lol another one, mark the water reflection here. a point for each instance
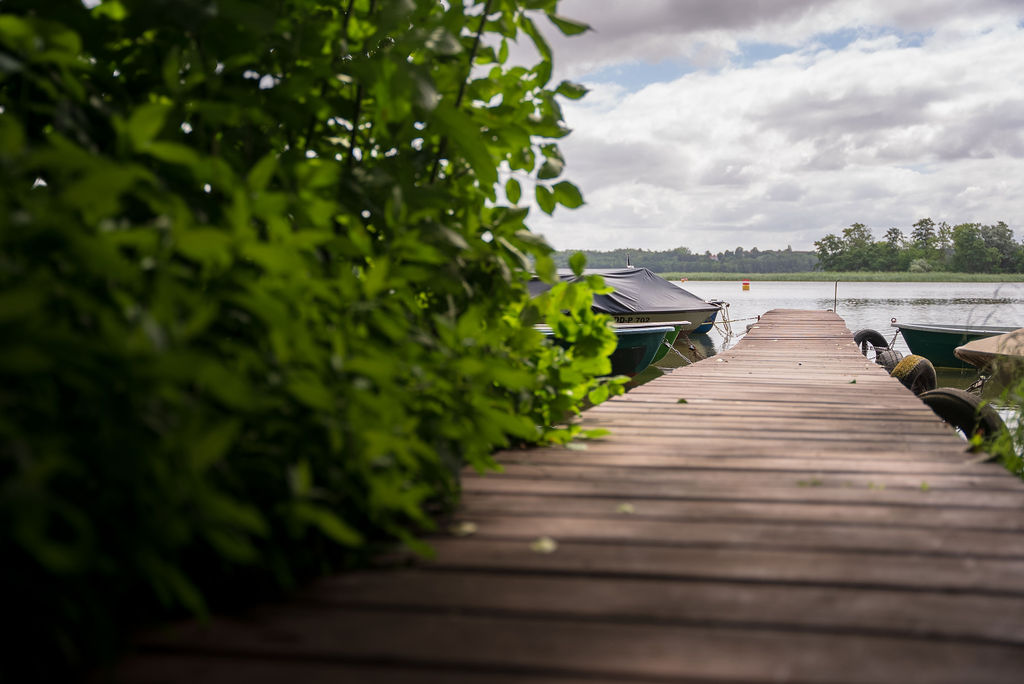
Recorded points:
(969, 301)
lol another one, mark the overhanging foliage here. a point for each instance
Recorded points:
(259, 299)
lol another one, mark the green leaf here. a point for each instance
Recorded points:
(205, 245)
(273, 258)
(300, 477)
(545, 199)
(327, 523)
(568, 195)
(308, 389)
(545, 268)
(573, 91)
(544, 544)
(598, 394)
(213, 444)
(568, 26)
(145, 123)
(171, 70)
(577, 262)
(173, 153)
(551, 168)
(513, 190)
(12, 137)
(261, 172)
(538, 40)
(227, 385)
(465, 135)
(112, 9)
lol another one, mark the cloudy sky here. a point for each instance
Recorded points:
(713, 124)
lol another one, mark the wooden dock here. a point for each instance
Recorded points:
(801, 517)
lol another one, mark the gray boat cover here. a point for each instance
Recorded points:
(637, 290)
(988, 350)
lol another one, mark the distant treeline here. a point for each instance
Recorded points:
(964, 248)
(682, 260)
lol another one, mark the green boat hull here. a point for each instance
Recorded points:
(637, 348)
(670, 338)
(937, 344)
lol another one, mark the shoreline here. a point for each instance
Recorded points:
(854, 277)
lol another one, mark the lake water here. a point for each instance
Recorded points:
(861, 305)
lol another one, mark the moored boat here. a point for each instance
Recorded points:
(999, 354)
(709, 322)
(938, 342)
(639, 300)
(638, 345)
(641, 296)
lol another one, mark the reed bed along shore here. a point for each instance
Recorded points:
(857, 276)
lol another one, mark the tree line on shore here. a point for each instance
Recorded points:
(963, 248)
(682, 260)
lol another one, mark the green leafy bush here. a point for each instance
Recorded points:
(259, 298)
(1008, 445)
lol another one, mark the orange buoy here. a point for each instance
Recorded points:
(746, 285)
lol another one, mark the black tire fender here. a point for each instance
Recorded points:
(964, 411)
(888, 358)
(916, 373)
(868, 336)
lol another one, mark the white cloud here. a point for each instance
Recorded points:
(876, 129)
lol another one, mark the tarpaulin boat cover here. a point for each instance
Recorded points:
(637, 290)
(986, 351)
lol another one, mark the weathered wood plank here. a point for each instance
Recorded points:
(752, 482)
(905, 572)
(839, 609)
(1008, 500)
(557, 646)
(821, 536)
(637, 458)
(218, 668)
(927, 514)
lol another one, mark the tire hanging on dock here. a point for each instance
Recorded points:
(868, 336)
(916, 373)
(884, 356)
(964, 411)
(888, 358)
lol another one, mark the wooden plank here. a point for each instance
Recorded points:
(551, 646)
(255, 668)
(905, 572)
(919, 614)
(1008, 500)
(926, 514)
(752, 482)
(748, 534)
(821, 456)
(681, 459)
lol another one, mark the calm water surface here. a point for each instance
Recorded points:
(862, 305)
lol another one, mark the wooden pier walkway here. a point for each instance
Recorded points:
(802, 517)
